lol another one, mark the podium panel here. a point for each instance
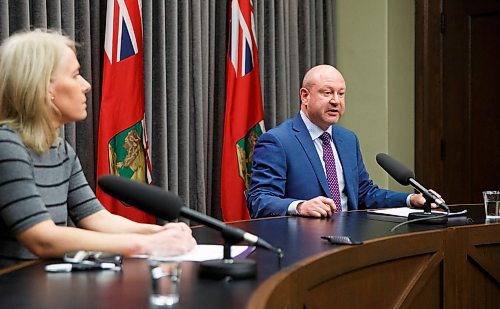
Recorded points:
(400, 271)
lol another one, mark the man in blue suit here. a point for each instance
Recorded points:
(289, 174)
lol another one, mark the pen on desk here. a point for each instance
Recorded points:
(68, 267)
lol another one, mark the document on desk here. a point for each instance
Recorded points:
(209, 252)
(405, 211)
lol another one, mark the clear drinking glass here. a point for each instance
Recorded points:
(165, 283)
(492, 204)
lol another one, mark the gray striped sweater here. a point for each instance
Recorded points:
(35, 188)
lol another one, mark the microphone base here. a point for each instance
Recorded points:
(235, 269)
(432, 218)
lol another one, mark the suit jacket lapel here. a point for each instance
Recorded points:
(304, 138)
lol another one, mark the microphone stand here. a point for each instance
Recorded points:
(426, 217)
(228, 267)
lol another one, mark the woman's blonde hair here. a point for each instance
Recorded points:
(27, 62)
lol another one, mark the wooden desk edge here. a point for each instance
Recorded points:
(18, 266)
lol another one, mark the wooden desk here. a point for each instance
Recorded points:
(418, 264)
(458, 267)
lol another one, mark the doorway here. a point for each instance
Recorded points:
(457, 91)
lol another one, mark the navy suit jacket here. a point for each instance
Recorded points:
(286, 167)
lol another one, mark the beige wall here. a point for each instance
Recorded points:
(375, 52)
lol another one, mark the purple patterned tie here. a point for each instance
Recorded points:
(331, 171)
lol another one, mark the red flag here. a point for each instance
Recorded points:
(243, 122)
(122, 144)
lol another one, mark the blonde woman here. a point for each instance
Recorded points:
(41, 180)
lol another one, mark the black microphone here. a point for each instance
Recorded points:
(169, 206)
(405, 177)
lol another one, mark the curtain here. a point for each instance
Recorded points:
(184, 76)
(82, 21)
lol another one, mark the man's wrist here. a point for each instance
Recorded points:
(298, 208)
(408, 200)
(293, 208)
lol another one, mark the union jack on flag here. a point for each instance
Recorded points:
(120, 29)
(241, 39)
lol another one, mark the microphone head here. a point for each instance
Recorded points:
(148, 198)
(398, 171)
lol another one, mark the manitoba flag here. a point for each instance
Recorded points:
(122, 145)
(243, 122)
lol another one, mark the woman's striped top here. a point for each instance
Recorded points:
(35, 188)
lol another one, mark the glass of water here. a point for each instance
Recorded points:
(165, 283)
(492, 204)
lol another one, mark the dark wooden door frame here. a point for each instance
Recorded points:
(456, 137)
(428, 92)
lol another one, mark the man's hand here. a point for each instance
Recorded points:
(418, 200)
(320, 207)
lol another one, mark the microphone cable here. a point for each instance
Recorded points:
(420, 219)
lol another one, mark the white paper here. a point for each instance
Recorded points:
(405, 211)
(207, 252)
